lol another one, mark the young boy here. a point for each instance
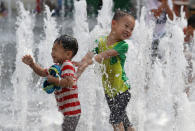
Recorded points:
(111, 52)
(64, 49)
(158, 10)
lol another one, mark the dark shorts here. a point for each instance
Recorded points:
(155, 51)
(70, 123)
(155, 48)
(117, 107)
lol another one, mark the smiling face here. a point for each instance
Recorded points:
(59, 54)
(122, 29)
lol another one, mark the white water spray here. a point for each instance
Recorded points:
(94, 115)
(51, 33)
(21, 78)
(163, 106)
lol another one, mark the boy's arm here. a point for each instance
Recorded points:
(167, 9)
(88, 59)
(28, 60)
(83, 64)
(164, 6)
(68, 79)
(39, 70)
(105, 55)
(120, 49)
(63, 82)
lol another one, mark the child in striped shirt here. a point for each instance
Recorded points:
(64, 49)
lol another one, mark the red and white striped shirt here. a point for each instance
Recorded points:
(67, 98)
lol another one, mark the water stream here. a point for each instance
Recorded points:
(158, 103)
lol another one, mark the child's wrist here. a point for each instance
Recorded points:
(93, 59)
(59, 80)
(46, 72)
(101, 56)
(32, 64)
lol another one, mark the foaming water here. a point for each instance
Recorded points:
(51, 33)
(158, 102)
(94, 109)
(137, 66)
(163, 105)
(30, 104)
(81, 28)
(20, 82)
(86, 91)
(50, 117)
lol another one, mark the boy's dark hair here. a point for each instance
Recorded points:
(191, 21)
(68, 43)
(119, 14)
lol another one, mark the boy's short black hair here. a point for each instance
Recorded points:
(119, 14)
(68, 43)
(191, 21)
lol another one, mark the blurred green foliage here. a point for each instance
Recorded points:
(94, 5)
(123, 5)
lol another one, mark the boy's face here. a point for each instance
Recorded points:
(123, 27)
(59, 54)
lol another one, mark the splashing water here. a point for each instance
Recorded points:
(51, 118)
(78, 29)
(51, 33)
(27, 110)
(93, 109)
(24, 46)
(162, 106)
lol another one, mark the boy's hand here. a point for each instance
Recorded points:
(77, 64)
(69, 81)
(82, 64)
(87, 60)
(27, 59)
(164, 4)
(157, 12)
(51, 79)
(81, 68)
(64, 82)
(98, 58)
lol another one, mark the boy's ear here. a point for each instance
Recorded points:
(69, 53)
(113, 22)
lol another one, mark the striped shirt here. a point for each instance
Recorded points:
(67, 98)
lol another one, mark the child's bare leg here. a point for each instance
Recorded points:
(118, 127)
(187, 90)
(130, 128)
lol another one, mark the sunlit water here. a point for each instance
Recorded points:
(162, 106)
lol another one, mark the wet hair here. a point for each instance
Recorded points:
(120, 14)
(191, 21)
(68, 43)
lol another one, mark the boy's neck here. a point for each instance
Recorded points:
(111, 39)
(191, 27)
(63, 61)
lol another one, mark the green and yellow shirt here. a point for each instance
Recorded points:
(114, 78)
